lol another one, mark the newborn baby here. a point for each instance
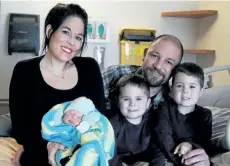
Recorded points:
(82, 116)
(75, 123)
(73, 117)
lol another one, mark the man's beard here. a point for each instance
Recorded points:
(154, 76)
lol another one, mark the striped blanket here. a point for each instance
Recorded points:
(96, 144)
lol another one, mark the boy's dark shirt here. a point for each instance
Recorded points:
(174, 128)
(134, 142)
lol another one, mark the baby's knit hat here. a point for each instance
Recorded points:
(81, 104)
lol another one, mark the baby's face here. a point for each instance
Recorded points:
(73, 117)
(186, 90)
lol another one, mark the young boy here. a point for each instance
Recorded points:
(132, 127)
(183, 125)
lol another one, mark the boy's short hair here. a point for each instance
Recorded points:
(135, 80)
(190, 69)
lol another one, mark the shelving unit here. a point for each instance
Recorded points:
(193, 14)
(199, 52)
(190, 14)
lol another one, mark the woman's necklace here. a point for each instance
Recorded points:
(62, 76)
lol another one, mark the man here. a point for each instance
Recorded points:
(163, 55)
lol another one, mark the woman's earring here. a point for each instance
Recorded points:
(49, 33)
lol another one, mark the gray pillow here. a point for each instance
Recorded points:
(5, 125)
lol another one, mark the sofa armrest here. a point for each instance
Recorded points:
(5, 125)
(220, 127)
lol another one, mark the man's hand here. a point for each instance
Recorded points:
(197, 157)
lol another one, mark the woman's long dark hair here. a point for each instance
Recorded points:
(58, 14)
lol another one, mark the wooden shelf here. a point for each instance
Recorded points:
(190, 14)
(199, 52)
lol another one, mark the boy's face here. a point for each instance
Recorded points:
(186, 90)
(133, 101)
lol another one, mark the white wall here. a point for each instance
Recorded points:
(213, 33)
(119, 14)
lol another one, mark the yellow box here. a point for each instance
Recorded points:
(132, 53)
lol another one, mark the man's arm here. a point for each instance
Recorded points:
(113, 72)
(107, 76)
(110, 77)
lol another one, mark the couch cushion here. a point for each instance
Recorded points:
(4, 107)
(220, 127)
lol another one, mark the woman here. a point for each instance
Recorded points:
(58, 76)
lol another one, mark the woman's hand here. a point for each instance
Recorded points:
(18, 154)
(52, 148)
